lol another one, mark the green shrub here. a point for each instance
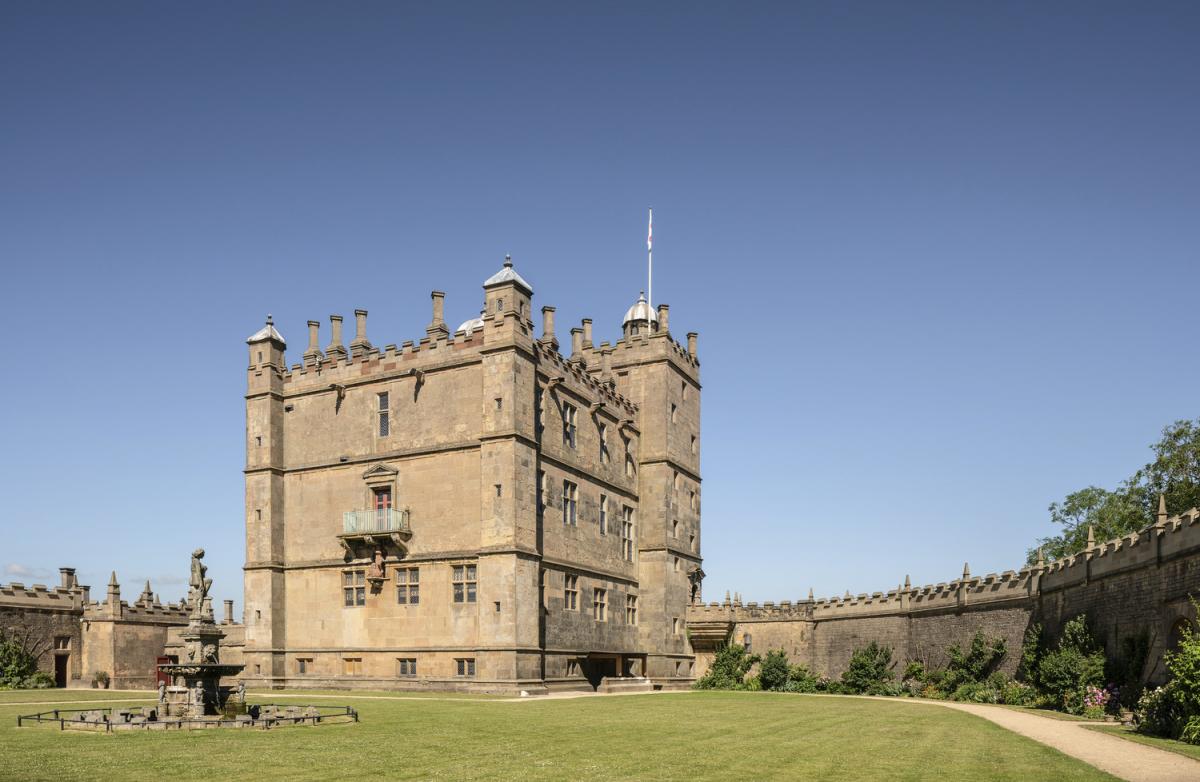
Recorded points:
(17, 663)
(1159, 713)
(1065, 673)
(800, 679)
(869, 670)
(1191, 731)
(100, 679)
(1125, 670)
(973, 665)
(1018, 694)
(1032, 649)
(773, 672)
(40, 680)
(728, 670)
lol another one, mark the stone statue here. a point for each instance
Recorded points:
(198, 584)
(241, 692)
(162, 692)
(209, 654)
(198, 694)
(376, 570)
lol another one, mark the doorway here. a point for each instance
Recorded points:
(596, 668)
(60, 669)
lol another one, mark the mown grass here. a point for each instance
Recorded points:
(1170, 745)
(675, 736)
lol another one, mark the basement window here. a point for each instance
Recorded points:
(464, 666)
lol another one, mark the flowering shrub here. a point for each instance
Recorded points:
(1095, 702)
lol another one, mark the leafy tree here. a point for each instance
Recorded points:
(773, 673)
(1174, 474)
(869, 670)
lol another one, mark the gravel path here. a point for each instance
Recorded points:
(1125, 759)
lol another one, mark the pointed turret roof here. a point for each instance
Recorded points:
(267, 332)
(508, 274)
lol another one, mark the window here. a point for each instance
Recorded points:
(537, 411)
(674, 412)
(675, 480)
(499, 305)
(627, 533)
(62, 642)
(304, 665)
(676, 564)
(570, 499)
(406, 666)
(604, 457)
(675, 625)
(354, 588)
(571, 593)
(381, 498)
(675, 529)
(464, 666)
(408, 586)
(384, 422)
(600, 605)
(464, 583)
(693, 443)
(692, 499)
(569, 416)
(683, 389)
(630, 609)
(541, 493)
(572, 668)
(603, 514)
(352, 666)
(692, 541)
(678, 668)
(628, 464)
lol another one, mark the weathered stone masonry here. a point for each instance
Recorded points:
(1137, 584)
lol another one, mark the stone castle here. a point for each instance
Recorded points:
(474, 510)
(477, 511)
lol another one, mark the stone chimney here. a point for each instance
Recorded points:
(587, 333)
(663, 312)
(313, 354)
(66, 577)
(360, 345)
(336, 349)
(548, 337)
(228, 612)
(691, 338)
(605, 362)
(437, 326)
(577, 344)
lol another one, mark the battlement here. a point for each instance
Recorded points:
(1166, 539)
(154, 612)
(578, 372)
(41, 597)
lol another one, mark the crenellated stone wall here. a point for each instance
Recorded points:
(1138, 585)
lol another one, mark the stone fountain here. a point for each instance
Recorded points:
(195, 691)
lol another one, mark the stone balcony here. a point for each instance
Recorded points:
(364, 531)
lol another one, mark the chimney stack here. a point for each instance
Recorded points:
(663, 311)
(313, 354)
(577, 343)
(691, 338)
(228, 612)
(66, 577)
(336, 349)
(360, 344)
(437, 326)
(605, 362)
(548, 337)
(587, 333)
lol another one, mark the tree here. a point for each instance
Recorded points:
(1174, 474)
(869, 669)
(728, 670)
(18, 656)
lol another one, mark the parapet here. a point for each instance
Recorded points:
(42, 598)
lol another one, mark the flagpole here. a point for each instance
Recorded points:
(650, 262)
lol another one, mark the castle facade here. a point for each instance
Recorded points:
(474, 510)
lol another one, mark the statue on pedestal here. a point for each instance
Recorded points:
(198, 585)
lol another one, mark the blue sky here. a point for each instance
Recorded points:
(942, 256)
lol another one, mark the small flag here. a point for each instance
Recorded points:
(650, 233)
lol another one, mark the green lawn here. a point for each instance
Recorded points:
(1170, 745)
(684, 736)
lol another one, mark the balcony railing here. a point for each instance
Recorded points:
(382, 520)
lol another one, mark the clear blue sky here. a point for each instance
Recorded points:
(942, 256)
